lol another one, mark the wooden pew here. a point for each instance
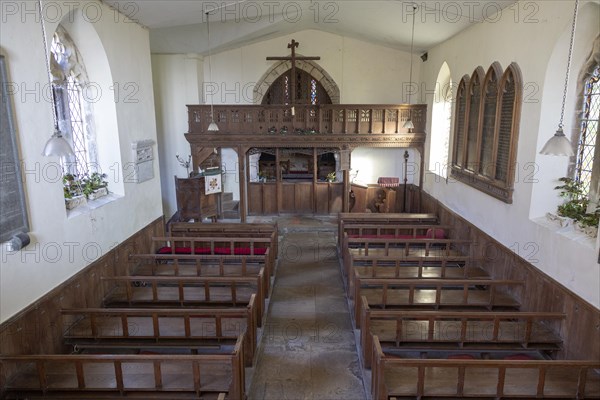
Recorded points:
(413, 266)
(434, 294)
(106, 328)
(383, 219)
(234, 230)
(199, 265)
(174, 291)
(422, 330)
(147, 376)
(236, 246)
(397, 378)
(400, 231)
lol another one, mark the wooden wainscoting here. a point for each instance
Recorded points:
(581, 328)
(37, 329)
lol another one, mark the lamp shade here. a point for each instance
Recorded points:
(409, 124)
(57, 146)
(558, 145)
(213, 127)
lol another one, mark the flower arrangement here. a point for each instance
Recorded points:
(330, 177)
(576, 204)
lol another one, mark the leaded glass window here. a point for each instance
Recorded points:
(589, 130)
(73, 110)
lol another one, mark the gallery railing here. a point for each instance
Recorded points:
(348, 119)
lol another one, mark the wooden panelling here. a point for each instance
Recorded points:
(269, 199)
(255, 199)
(581, 328)
(288, 197)
(322, 198)
(38, 328)
(304, 197)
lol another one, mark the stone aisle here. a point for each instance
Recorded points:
(308, 348)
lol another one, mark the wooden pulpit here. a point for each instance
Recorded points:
(192, 202)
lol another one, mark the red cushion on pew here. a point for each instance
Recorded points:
(435, 233)
(461, 357)
(240, 251)
(519, 357)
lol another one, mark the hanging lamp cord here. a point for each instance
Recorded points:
(47, 63)
(564, 100)
(212, 117)
(412, 42)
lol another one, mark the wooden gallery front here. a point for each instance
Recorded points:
(297, 159)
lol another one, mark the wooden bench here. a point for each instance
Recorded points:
(446, 264)
(199, 265)
(383, 219)
(398, 378)
(163, 328)
(126, 375)
(422, 330)
(234, 230)
(215, 246)
(174, 291)
(401, 231)
(434, 294)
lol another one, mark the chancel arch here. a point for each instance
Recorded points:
(309, 67)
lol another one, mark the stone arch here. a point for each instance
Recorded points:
(278, 69)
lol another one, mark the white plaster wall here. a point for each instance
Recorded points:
(371, 163)
(177, 82)
(63, 246)
(348, 61)
(568, 258)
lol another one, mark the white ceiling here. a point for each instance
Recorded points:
(179, 26)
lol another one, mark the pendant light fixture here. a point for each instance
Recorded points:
(559, 144)
(213, 127)
(56, 145)
(409, 124)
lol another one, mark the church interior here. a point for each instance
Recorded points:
(300, 199)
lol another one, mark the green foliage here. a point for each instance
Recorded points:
(576, 203)
(331, 177)
(74, 186)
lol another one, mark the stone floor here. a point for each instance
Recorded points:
(308, 348)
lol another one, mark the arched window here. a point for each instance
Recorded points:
(74, 112)
(589, 130)
(308, 90)
(441, 120)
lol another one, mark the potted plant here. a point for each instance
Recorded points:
(330, 177)
(73, 191)
(576, 206)
(95, 186)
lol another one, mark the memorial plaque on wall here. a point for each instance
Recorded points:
(13, 209)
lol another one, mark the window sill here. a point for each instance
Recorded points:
(91, 205)
(568, 232)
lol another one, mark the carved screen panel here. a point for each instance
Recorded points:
(488, 130)
(473, 121)
(459, 127)
(492, 115)
(508, 104)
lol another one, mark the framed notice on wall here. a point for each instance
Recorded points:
(13, 207)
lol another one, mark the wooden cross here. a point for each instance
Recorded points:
(293, 45)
